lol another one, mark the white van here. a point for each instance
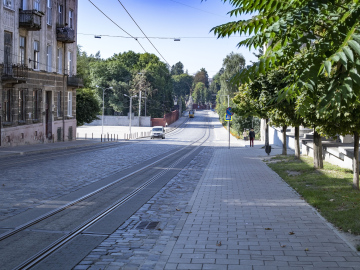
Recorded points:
(157, 132)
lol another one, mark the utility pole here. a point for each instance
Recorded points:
(131, 97)
(139, 105)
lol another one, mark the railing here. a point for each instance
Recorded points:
(13, 72)
(65, 34)
(30, 19)
(75, 81)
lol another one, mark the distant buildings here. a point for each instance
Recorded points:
(37, 68)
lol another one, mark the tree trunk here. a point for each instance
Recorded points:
(356, 161)
(318, 159)
(266, 132)
(284, 148)
(297, 142)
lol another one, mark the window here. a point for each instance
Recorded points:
(23, 4)
(49, 58)
(49, 13)
(22, 50)
(36, 104)
(22, 104)
(7, 51)
(37, 5)
(69, 103)
(9, 4)
(7, 104)
(71, 18)
(60, 15)
(36, 54)
(69, 67)
(60, 60)
(59, 97)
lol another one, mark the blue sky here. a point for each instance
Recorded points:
(161, 18)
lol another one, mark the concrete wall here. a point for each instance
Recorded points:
(110, 120)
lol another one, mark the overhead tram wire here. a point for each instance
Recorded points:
(86, 34)
(117, 25)
(143, 32)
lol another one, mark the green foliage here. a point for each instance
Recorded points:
(87, 106)
(202, 76)
(177, 69)
(120, 72)
(182, 84)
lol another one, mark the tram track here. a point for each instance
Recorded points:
(35, 157)
(172, 159)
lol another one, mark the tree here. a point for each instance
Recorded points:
(87, 106)
(182, 84)
(202, 76)
(198, 94)
(324, 33)
(177, 69)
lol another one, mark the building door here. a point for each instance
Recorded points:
(48, 114)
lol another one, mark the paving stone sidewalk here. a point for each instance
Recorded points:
(244, 216)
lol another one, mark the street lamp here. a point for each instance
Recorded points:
(228, 96)
(102, 119)
(131, 97)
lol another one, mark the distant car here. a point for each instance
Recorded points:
(191, 114)
(157, 132)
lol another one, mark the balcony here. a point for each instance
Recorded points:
(13, 74)
(65, 34)
(75, 81)
(30, 20)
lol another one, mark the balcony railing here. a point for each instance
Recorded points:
(14, 73)
(75, 81)
(30, 20)
(65, 34)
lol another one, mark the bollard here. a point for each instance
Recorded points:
(108, 136)
(117, 137)
(111, 137)
(92, 136)
(85, 136)
(101, 137)
(53, 138)
(77, 135)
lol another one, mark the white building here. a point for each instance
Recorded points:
(37, 68)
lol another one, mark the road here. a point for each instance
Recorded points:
(57, 197)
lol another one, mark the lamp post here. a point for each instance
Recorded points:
(228, 96)
(131, 97)
(102, 118)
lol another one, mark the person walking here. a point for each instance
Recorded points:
(252, 137)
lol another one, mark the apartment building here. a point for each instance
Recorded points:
(37, 68)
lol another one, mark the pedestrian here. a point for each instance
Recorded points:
(252, 137)
(245, 135)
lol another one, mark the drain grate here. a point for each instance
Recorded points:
(147, 225)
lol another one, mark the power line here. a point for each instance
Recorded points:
(117, 25)
(86, 34)
(197, 8)
(142, 32)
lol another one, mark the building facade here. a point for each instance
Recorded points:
(37, 67)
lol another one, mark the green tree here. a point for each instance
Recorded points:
(87, 106)
(182, 84)
(177, 69)
(202, 76)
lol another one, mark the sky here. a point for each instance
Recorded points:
(161, 21)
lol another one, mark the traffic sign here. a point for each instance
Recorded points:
(228, 111)
(228, 117)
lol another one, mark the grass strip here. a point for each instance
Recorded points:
(329, 190)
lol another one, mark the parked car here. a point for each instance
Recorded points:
(157, 132)
(191, 114)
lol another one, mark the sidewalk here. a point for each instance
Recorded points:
(242, 215)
